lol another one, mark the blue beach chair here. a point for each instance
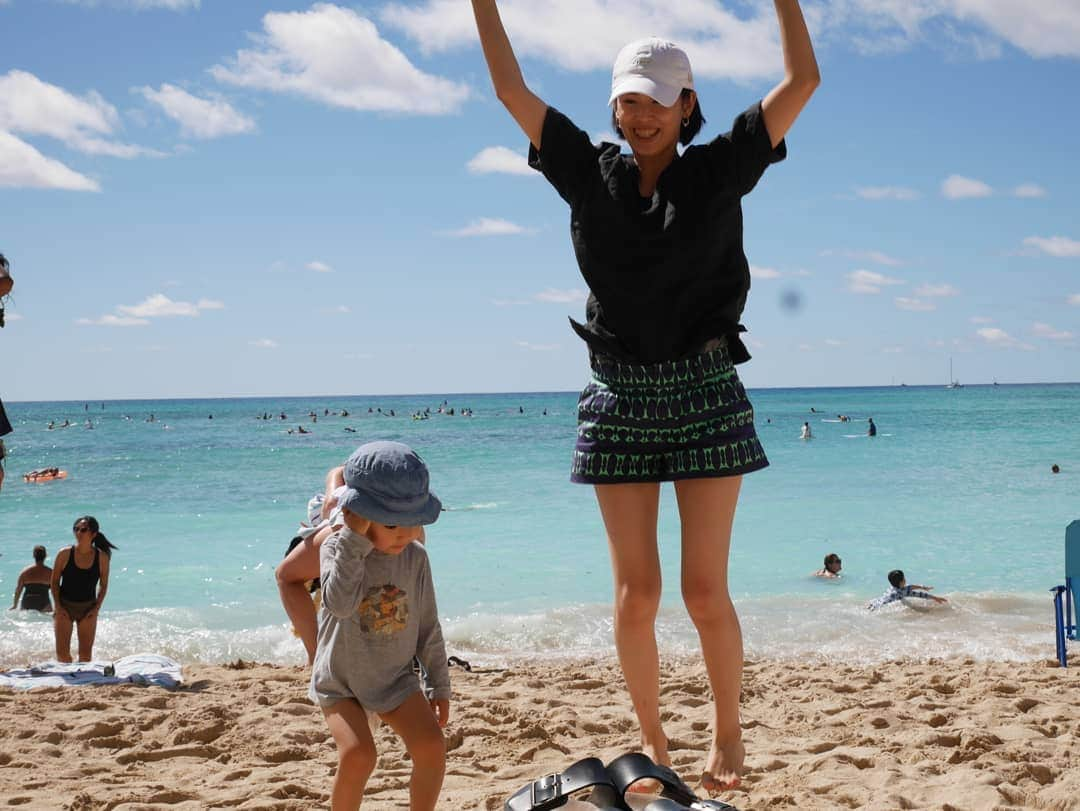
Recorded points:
(1067, 617)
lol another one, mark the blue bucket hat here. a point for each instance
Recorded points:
(387, 482)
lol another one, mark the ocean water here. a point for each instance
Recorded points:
(956, 490)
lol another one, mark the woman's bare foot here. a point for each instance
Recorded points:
(723, 770)
(657, 751)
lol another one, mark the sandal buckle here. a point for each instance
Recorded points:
(546, 789)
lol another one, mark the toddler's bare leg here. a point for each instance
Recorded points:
(416, 724)
(356, 753)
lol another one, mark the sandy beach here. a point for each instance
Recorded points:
(940, 735)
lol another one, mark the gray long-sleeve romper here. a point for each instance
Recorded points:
(378, 612)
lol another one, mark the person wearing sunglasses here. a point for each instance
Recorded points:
(80, 580)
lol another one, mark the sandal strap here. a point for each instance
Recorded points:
(554, 790)
(629, 769)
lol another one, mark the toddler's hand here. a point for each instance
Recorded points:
(441, 708)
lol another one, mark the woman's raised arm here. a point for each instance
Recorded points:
(510, 88)
(801, 77)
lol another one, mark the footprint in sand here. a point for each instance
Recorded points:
(98, 729)
(207, 734)
(291, 791)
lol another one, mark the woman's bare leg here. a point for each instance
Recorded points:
(630, 513)
(62, 631)
(86, 628)
(414, 721)
(707, 511)
(348, 724)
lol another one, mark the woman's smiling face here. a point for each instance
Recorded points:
(648, 126)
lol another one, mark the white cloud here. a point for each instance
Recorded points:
(805, 348)
(887, 193)
(1000, 338)
(22, 166)
(914, 305)
(263, 343)
(537, 347)
(868, 281)
(1042, 29)
(1046, 331)
(113, 321)
(488, 227)
(1055, 246)
(1074, 299)
(764, 273)
(893, 350)
(319, 267)
(981, 319)
(936, 291)
(834, 342)
(341, 309)
(553, 296)
(720, 44)
(161, 306)
(500, 160)
(1029, 190)
(29, 106)
(336, 56)
(198, 117)
(957, 187)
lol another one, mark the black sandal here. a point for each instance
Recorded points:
(554, 790)
(675, 794)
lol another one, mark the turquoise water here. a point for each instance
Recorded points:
(956, 489)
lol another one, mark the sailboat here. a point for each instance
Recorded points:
(953, 382)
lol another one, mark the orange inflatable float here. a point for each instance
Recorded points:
(46, 475)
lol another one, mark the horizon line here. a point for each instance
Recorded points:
(931, 386)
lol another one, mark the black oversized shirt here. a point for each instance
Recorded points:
(666, 273)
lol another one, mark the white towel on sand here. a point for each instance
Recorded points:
(142, 668)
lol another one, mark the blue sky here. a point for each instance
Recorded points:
(234, 198)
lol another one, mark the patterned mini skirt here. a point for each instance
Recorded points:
(683, 419)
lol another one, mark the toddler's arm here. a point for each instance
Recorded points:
(341, 570)
(430, 647)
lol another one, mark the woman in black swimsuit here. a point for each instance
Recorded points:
(80, 578)
(33, 584)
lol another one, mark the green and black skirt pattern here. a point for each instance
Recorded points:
(684, 419)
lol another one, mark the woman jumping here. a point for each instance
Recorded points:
(659, 240)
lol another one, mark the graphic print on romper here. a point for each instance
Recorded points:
(384, 610)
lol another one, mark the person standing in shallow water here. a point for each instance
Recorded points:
(33, 585)
(80, 580)
(658, 237)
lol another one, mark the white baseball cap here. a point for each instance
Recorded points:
(655, 67)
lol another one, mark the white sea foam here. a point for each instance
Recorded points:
(984, 627)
